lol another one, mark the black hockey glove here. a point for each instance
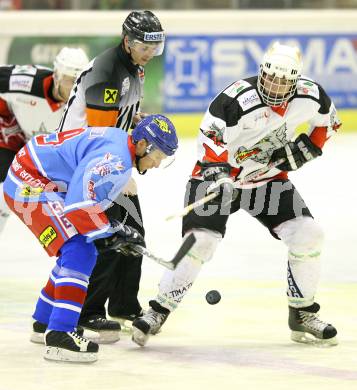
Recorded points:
(296, 153)
(218, 174)
(123, 238)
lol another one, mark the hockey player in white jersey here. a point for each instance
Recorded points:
(248, 126)
(32, 100)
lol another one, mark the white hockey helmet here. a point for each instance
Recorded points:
(67, 66)
(70, 62)
(279, 73)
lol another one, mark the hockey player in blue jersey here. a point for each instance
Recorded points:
(60, 186)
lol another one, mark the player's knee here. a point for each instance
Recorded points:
(79, 255)
(205, 245)
(302, 235)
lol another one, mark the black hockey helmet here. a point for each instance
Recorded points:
(143, 26)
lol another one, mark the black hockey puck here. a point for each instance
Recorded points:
(213, 297)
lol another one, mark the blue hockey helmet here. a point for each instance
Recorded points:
(159, 132)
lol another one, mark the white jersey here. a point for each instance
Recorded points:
(240, 129)
(26, 95)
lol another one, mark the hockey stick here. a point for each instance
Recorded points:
(252, 176)
(193, 205)
(260, 172)
(170, 264)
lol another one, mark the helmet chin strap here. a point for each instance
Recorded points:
(129, 54)
(60, 95)
(137, 159)
(57, 88)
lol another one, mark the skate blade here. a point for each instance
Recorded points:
(37, 338)
(103, 336)
(124, 324)
(305, 338)
(139, 337)
(64, 355)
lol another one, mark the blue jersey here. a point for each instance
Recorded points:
(87, 168)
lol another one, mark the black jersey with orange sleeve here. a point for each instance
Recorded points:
(107, 93)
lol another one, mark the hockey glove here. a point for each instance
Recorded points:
(123, 238)
(218, 174)
(296, 153)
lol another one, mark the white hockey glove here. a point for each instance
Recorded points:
(218, 174)
(122, 239)
(296, 153)
(10, 128)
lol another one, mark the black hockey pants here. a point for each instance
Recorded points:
(116, 277)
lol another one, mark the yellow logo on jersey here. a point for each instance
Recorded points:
(31, 191)
(48, 236)
(163, 125)
(110, 95)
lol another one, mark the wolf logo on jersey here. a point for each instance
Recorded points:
(215, 133)
(262, 150)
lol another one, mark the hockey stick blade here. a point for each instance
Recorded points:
(182, 252)
(170, 264)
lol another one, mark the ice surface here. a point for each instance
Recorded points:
(242, 342)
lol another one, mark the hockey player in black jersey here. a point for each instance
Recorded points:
(250, 125)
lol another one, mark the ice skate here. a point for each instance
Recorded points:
(307, 328)
(107, 330)
(126, 321)
(149, 324)
(39, 329)
(69, 347)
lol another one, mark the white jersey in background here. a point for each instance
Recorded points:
(26, 101)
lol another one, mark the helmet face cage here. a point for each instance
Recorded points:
(279, 74)
(274, 90)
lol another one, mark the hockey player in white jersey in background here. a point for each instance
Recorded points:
(32, 100)
(250, 124)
